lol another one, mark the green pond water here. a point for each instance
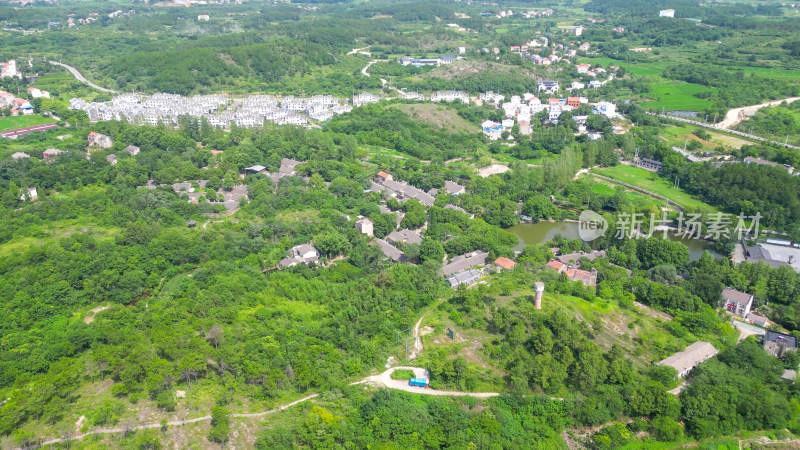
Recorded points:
(537, 233)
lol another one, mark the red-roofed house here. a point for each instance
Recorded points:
(574, 101)
(504, 263)
(383, 176)
(588, 278)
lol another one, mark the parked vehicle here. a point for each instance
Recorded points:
(420, 382)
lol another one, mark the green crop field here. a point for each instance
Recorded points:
(664, 93)
(12, 123)
(652, 182)
(676, 95)
(54, 80)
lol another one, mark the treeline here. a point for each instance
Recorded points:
(200, 69)
(742, 188)
(391, 418)
(683, 8)
(507, 84)
(394, 129)
(732, 88)
(779, 123)
(407, 12)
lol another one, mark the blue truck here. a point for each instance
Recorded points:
(419, 382)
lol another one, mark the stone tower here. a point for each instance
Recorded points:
(539, 288)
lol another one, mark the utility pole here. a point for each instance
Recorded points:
(404, 338)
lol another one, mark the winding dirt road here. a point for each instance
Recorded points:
(365, 70)
(385, 379)
(81, 78)
(736, 115)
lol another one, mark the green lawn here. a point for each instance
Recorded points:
(12, 123)
(652, 182)
(676, 95)
(402, 374)
(664, 93)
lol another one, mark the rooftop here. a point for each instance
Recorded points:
(736, 296)
(689, 357)
(505, 263)
(465, 261)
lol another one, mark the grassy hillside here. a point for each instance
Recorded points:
(652, 182)
(438, 116)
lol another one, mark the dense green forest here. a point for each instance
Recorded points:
(127, 302)
(204, 307)
(733, 88)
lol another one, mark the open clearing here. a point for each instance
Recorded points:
(650, 181)
(438, 116)
(464, 68)
(12, 123)
(494, 169)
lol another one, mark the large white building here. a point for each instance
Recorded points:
(666, 13)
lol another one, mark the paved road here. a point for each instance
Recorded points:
(81, 78)
(747, 330)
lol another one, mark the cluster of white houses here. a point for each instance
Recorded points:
(520, 110)
(254, 111)
(9, 69)
(219, 110)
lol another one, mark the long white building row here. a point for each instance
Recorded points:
(219, 110)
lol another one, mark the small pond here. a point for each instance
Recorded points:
(537, 233)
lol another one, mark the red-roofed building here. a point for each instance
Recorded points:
(588, 278)
(383, 176)
(504, 263)
(574, 101)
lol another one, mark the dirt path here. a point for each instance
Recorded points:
(211, 221)
(89, 318)
(385, 379)
(736, 115)
(81, 78)
(365, 72)
(417, 340)
(360, 51)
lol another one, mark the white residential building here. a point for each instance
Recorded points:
(450, 96)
